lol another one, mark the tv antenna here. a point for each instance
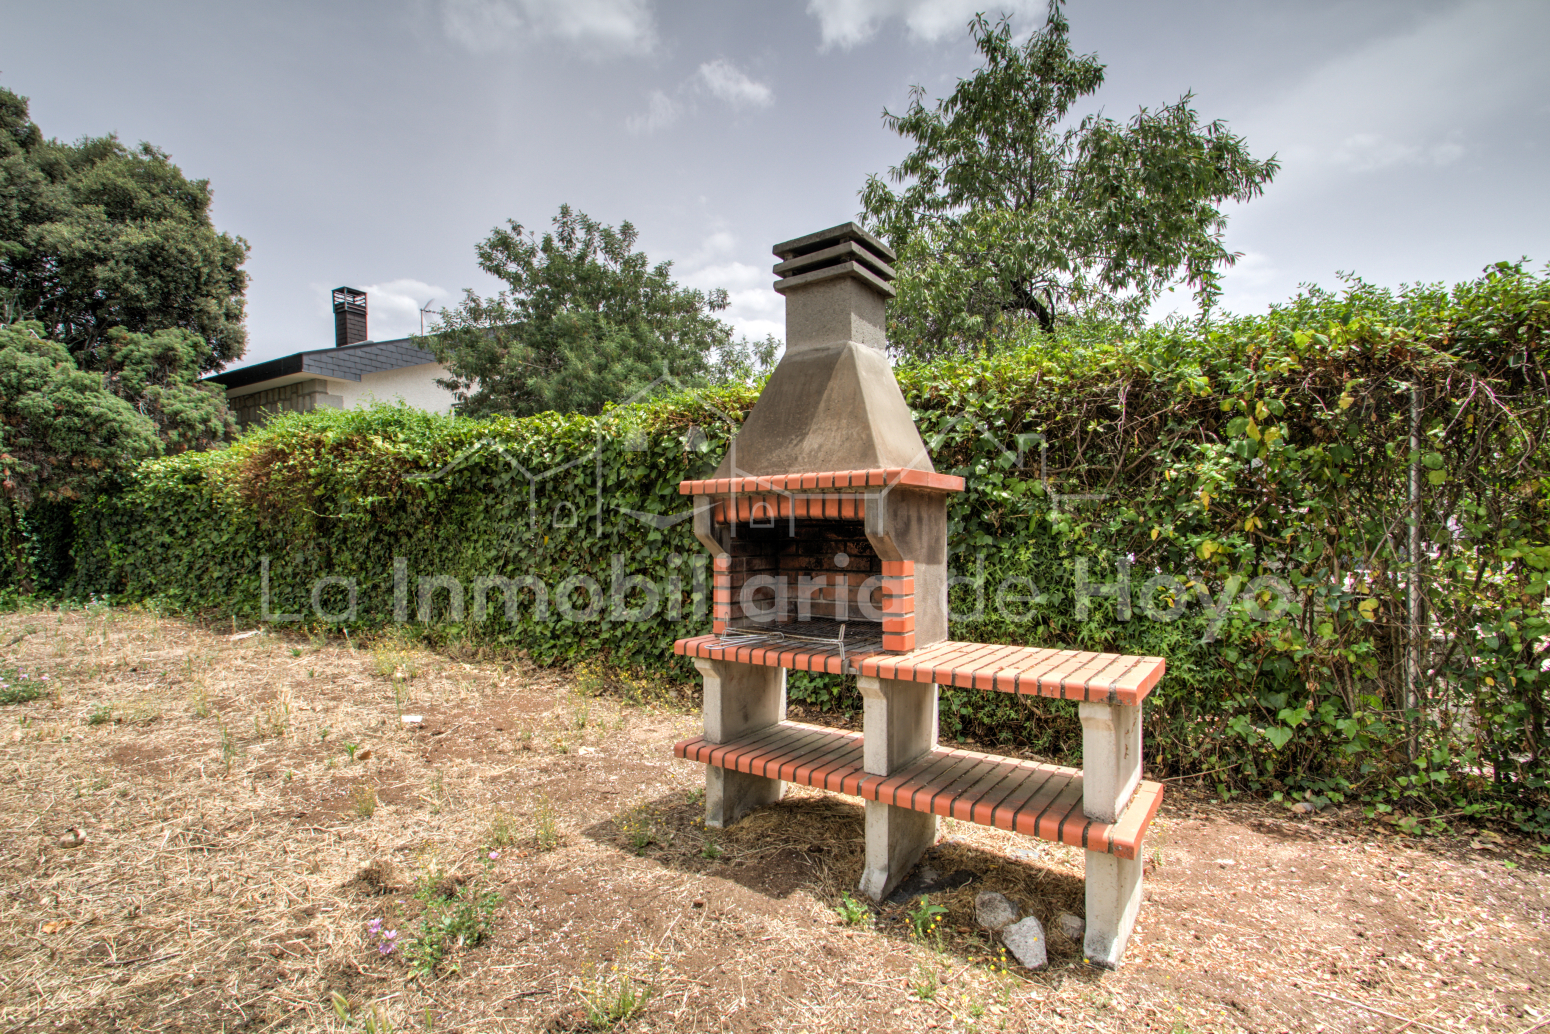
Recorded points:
(423, 310)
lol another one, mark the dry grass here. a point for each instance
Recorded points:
(258, 820)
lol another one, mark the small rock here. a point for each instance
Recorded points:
(699, 902)
(72, 838)
(1225, 862)
(1070, 925)
(993, 911)
(1025, 940)
(411, 719)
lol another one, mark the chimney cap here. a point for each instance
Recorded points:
(835, 235)
(349, 296)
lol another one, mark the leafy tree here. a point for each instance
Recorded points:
(584, 320)
(1008, 211)
(158, 374)
(95, 235)
(62, 431)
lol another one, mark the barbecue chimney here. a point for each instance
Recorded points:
(826, 518)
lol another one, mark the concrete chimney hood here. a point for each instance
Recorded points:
(832, 403)
(826, 518)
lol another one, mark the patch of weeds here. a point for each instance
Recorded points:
(712, 850)
(102, 714)
(438, 795)
(350, 749)
(546, 826)
(228, 748)
(610, 998)
(273, 722)
(503, 830)
(925, 918)
(364, 800)
(390, 661)
(142, 712)
(372, 1021)
(20, 687)
(995, 963)
(638, 830)
(199, 703)
(924, 982)
(455, 917)
(581, 711)
(589, 679)
(855, 913)
(295, 651)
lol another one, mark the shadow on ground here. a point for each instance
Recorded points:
(813, 842)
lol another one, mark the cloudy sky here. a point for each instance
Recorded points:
(374, 144)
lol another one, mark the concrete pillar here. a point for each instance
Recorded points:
(900, 725)
(895, 840)
(900, 722)
(1113, 899)
(1111, 758)
(739, 699)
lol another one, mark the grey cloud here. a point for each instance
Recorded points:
(596, 26)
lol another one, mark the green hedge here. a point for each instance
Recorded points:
(1261, 463)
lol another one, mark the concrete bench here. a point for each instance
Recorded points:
(907, 780)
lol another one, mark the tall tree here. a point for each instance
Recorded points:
(1007, 210)
(62, 431)
(584, 320)
(95, 235)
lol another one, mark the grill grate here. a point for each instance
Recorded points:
(846, 636)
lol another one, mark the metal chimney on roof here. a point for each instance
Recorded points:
(349, 316)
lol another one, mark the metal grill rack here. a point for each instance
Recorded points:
(845, 636)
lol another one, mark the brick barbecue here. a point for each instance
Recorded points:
(827, 524)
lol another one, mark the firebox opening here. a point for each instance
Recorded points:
(805, 581)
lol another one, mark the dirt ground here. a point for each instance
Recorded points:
(210, 833)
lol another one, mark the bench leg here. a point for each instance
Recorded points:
(1113, 899)
(1111, 758)
(895, 839)
(739, 699)
(900, 724)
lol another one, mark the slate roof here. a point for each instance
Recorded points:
(345, 363)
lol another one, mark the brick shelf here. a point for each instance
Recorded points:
(1109, 678)
(1043, 801)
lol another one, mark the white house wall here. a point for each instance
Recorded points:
(414, 385)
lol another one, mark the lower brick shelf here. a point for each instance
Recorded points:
(1043, 801)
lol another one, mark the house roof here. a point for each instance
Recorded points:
(346, 362)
